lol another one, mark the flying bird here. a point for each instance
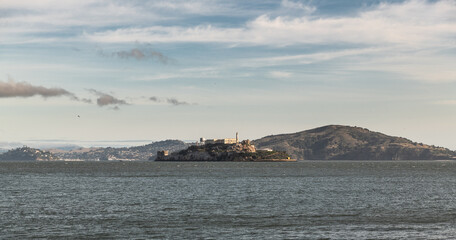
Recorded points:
(79, 116)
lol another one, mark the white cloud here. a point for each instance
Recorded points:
(199, 7)
(413, 23)
(203, 34)
(389, 37)
(48, 16)
(311, 57)
(30, 16)
(280, 74)
(288, 5)
(158, 77)
(45, 4)
(186, 73)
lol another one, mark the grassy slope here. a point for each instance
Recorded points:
(335, 142)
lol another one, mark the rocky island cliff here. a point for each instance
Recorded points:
(337, 142)
(243, 151)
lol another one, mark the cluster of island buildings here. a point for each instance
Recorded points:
(332, 142)
(226, 149)
(221, 141)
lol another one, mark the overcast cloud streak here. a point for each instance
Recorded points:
(172, 101)
(176, 102)
(138, 54)
(414, 22)
(388, 23)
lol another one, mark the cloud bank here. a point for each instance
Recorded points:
(176, 102)
(23, 89)
(105, 99)
(172, 101)
(11, 89)
(415, 23)
(138, 54)
(25, 18)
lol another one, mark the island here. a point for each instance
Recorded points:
(332, 142)
(27, 154)
(338, 142)
(224, 150)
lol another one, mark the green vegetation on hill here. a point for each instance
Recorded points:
(335, 142)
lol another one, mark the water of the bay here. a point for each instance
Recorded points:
(228, 200)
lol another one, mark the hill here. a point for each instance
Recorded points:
(336, 142)
(27, 154)
(141, 153)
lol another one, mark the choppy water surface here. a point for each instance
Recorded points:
(303, 200)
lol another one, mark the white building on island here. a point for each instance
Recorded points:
(220, 141)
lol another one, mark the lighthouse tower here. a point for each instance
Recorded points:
(237, 137)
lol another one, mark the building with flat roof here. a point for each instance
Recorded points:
(162, 154)
(221, 141)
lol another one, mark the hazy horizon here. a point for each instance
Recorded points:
(100, 71)
(74, 143)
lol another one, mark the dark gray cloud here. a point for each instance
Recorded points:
(84, 100)
(154, 99)
(138, 54)
(106, 99)
(172, 101)
(176, 102)
(23, 89)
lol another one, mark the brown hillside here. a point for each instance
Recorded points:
(336, 142)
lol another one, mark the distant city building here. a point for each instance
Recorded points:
(266, 149)
(221, 141)
(162, 153)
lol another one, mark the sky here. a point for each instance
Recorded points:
(136, 71)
